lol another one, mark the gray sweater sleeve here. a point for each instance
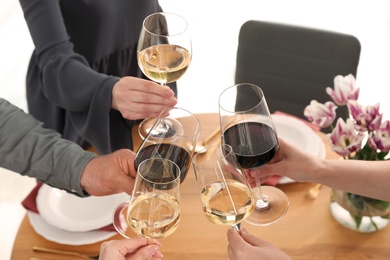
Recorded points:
(29, 149)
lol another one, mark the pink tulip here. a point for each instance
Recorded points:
(380, 139)
(319, 114)
(366, 117)
(345, 139)
(344, 90)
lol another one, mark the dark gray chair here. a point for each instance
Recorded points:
(294, 64)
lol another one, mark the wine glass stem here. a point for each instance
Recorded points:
(262, 200)
(236, 227)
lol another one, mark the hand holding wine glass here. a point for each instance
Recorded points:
(225, 194)
(153, 210)
(247, 126)
(164, 50)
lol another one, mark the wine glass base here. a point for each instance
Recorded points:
(168, 127)
(119, 220)
(275, 210)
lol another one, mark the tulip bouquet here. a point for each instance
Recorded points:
(362, 136)
(348, 137)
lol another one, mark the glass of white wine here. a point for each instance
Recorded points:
(164, 51)
(226, 196)
(154, 207)
(164, 47)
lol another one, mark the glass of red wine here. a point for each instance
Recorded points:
(247, 126)
(176, 143)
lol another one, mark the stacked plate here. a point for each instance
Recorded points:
(67, 219)
(298, 133)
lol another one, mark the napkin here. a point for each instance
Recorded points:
(30, 204)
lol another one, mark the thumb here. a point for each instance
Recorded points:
(251, 239)
(148, 252)
(234, 238)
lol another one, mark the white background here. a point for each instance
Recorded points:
(214, 28)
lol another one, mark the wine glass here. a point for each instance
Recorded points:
(226, 196)
(247, 126)
(177, 146)
(164, 51)
(154, 207)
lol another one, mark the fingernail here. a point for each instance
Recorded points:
(153, 249)
(159, 255)
(244, 230)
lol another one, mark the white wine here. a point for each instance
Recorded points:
(154, 215)
(227, 205)
(164, 63)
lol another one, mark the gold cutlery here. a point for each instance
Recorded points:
(65, 252)
(314, 191)
(202, 146)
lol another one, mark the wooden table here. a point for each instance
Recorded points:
(308, 230)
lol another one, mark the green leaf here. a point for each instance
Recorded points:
(357, 201)
(377, 204)
(386, 216)
(358, 220)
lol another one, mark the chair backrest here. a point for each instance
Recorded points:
(294, 64)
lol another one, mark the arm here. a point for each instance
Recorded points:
(61, 68)
(89, 98)
(367, 178)
(29, 149)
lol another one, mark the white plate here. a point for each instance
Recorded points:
(61, 236)
(299, 134)
(71, 213)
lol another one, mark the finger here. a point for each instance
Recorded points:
(236, 244)
(148, 252)
(251, 239)
(154, 242)
(234, 238)
(151, 108)
(142, 85)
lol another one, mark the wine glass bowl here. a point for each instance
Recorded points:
(153, 210)
(164, 47)
(176, 145)
(247, 126)
(226, 197)
(164, 52)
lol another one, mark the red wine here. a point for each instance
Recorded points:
(172, 152)
(254, 144)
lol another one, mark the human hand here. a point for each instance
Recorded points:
(247, 246)
(109, 174)
(137, 98)
(289, 161)
(131, 249)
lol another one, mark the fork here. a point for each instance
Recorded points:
(65, 252)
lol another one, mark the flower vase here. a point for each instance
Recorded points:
(359, 213)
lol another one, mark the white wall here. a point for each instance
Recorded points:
(215, 25)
